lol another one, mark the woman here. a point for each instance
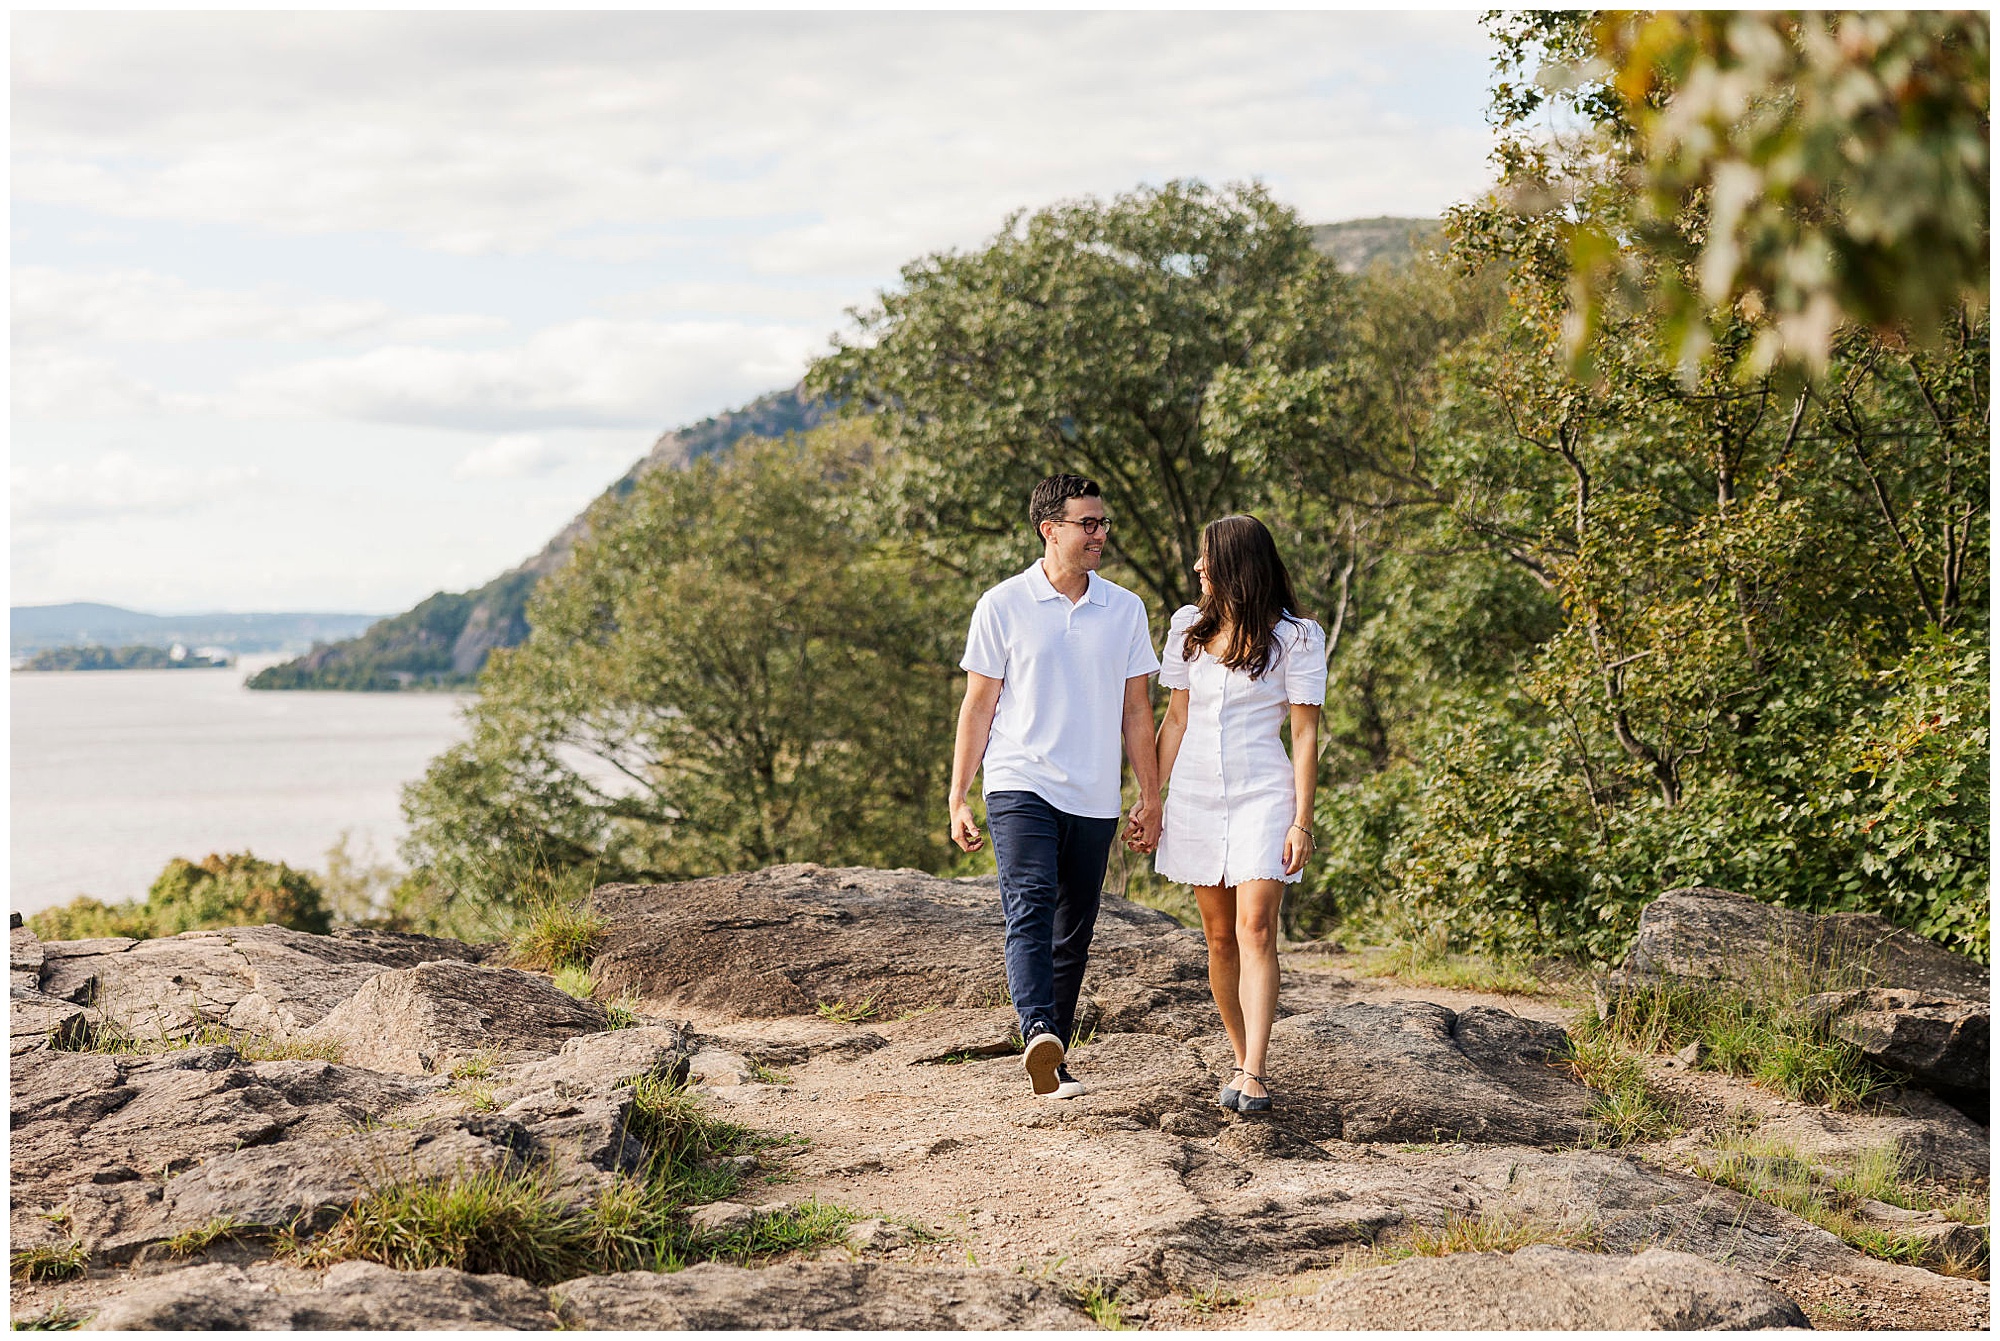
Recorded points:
(1238, 821)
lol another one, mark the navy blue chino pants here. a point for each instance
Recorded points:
(1051, 879)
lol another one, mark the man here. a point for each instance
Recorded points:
(1056, 664)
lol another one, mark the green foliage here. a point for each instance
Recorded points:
(1598, 625)
(736, 669)
(230, 890)
(136, 657)
(1838, 162)
(1083, 337)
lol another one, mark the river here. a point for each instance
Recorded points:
(115, 772)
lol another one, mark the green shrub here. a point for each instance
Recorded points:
(233, 890)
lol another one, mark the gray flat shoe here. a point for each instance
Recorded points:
(1260, 1103)
(1227, 1096)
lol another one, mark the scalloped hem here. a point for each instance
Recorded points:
(1180, 879)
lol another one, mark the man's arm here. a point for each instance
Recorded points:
(1145, 760)
(975, 723)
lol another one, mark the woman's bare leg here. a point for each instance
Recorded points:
(1256, 906)
(1218, 925)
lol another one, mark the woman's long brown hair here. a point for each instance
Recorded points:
(1248, 590)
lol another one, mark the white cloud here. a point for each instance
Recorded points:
(116, 485)
(820, 142)
(511, 456)
(53, 306)
(63, 384)
(588, 373)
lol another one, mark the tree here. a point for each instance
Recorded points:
(1084, 337)
(736, 669)
(1798, 170)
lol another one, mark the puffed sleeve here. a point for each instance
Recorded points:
(1173, 666)
(1305, 663)
(985, 642)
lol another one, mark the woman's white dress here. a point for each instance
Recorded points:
(1230, 799)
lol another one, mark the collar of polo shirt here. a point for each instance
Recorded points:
(1045, 590)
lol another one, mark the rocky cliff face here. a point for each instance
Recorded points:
(198, 1122)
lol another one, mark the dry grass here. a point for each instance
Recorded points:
(1775, 1172)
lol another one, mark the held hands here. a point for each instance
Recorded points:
(1142, 828)
(964, 831)
(1298, 846)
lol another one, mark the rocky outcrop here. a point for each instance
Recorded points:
(1400, 1124)
(419, 1021)
(354, 1296)
(1941, 1041)
(267, 980)
(1413, 1071)
(1716, 936)
(1909, 1004)
(848, 1296)
(1548, 1288)
(784, 941)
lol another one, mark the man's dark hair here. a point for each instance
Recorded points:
(1051, 498)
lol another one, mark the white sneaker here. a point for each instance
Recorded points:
(1043, 1057)
(1067, 1085)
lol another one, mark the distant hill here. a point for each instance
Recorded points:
(33, 628)
(139, 656)
(1359, 243)
(444, 641)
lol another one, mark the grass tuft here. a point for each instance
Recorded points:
(575, 980)
(1626, 1108)
(559, 931)
(1497, 1233)
(1774, 1172)
(1101, 1302)
(623, 1012)
(111, 1039)
(847, 1012)
(57, 1319)
(202, 1237)
(519, 1221)
(1427, 963)
(1214, 1297)
(1772, 1042)
(768, 1075)
(49, 1262)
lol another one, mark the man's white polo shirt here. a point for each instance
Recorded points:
(1058, 729)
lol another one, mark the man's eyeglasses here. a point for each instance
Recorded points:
(1090, 525)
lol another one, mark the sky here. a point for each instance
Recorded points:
(329, 311)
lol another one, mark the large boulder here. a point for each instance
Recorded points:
(785, 940)
(354, 1296)
(422, 1020)
(1716, 936)
(1908, 1003)
(265, 980)
(1547, 1288)
(1942, 1042)
(1413, 1071)
(868, 1296)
